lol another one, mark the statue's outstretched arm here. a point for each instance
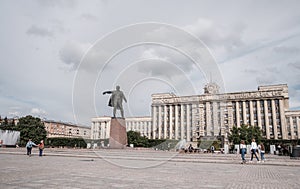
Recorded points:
(106, 92)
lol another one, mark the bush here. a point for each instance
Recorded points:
(66, 142)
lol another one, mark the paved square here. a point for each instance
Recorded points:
(142, 169)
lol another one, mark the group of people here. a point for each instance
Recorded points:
(31, 144)
(255, 150)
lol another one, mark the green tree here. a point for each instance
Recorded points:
(31, 128)
(234, 135)
(136, 139)
(245, 133)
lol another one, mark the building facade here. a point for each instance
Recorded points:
(140, 124)
(101, 126)
(213, 114)
(293, 124)
(67, 130)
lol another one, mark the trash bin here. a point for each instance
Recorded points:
(296, 152)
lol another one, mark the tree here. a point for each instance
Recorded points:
(136, 139)
(234, 135)
(245, 133)
(31, 128)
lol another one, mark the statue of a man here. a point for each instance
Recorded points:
(116, 100)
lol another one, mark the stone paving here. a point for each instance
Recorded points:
(75, 168)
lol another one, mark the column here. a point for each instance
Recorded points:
(222, 107)
(154, 121)
(171, 122)
(106, 131)
(96, 133)
(230, 115)
(290, 123)
(274, 119)
(298, 126)
(208, 119)
(215, 119)
(201, 119)
(101, 130)
(282, 120)
(159, 122)
(96, 130)
(176, 122)
(141, 127)
(182, 121)
(267, 119)
(251, 113)
(92, 131)
(188, 123)
(195, 120)
(237, 111)
(258, 114)
(128, 125)
(244, 113)
(165, 122)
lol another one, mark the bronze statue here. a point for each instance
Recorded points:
(116, 100)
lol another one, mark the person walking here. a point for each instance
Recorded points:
(243, 151)
(41, 148)
(253, 150)
(212, 149)
(261, 149)
(29, 146)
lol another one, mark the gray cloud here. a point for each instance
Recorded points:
(287, 50)
(294, 65)
(251, 71)
(174, 58)
(39, 31)
(218, 36)
(38, 112)
(57, 3)
(72, 52)
(89, 17)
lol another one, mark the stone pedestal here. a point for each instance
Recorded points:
(118, 135)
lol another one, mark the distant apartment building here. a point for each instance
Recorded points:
(101, 126)
(67, 130)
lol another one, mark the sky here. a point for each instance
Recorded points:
(58, 56)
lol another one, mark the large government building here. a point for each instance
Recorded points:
(213, 114)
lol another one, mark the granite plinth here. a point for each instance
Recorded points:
(118, 135)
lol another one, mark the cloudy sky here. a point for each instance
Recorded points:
(58, 56)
